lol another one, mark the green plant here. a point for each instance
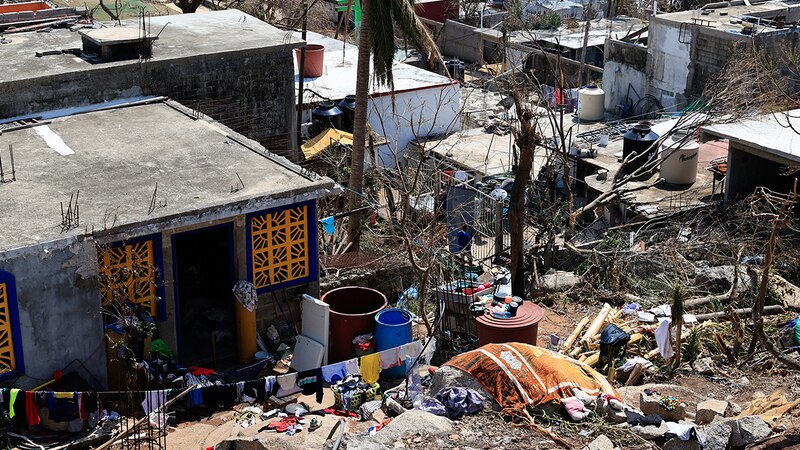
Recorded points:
(545, 21)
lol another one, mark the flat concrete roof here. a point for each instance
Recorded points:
(721, 16)
(186, 35)
(115, 157)
(774, 135)
(480, 151)
(644, 196)
(339, 77)
(572, 38)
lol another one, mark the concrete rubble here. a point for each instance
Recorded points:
(709, 409)
(602, 442)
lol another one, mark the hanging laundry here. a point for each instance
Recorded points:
(195, 397)
(663, 338)
(351, 366)
(31, 410)
(62, 406)
(410, 350)
(428, 350)
(288, 385)
(12, 403)
(310, 381)
(390, 358)
(245, 293)
(153, 407)
(335, 372)
(270, 387)
(370, 367)
(328, 226)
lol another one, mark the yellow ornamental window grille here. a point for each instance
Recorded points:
(280, 250)
(128, 273)
(8, 362)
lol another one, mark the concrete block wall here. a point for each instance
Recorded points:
(462, 41)
(250, 91)
(59, 314)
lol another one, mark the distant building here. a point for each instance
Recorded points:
(564, 8)
(685, 49)
(152, 203)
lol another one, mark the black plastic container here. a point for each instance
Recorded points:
(348, 107)
(326, 115)
(639, 139)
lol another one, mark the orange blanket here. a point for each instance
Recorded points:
(521, 375)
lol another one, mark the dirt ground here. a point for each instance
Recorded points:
(738, 384)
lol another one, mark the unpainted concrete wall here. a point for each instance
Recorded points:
(404, 123)
(251, 91)
(59, 309)
(747, 171)
(462, 41)
(624, 77)
(668, 62)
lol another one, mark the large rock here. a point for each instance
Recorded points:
(719, 280)
(447, 376)
(651, 432)
(788, 292)
(717, 436)
(601, 443)
(707, 410)
(677, 444)
(413, 422)
(559, 281)
(631, 394)
(748, 430)
(649, 404)
(259, 443)
(704, 366)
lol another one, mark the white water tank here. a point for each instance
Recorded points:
(679, 158)
(591, 103)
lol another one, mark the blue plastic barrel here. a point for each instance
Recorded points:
(393, 329)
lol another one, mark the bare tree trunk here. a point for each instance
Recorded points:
(778, 222)
(526, 140)
(356, 183)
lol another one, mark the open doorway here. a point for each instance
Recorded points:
(204, 277)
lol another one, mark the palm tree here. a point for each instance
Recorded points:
(380, 17)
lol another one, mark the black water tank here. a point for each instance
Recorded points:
(639, 139)
(325, 116)
(348, 108)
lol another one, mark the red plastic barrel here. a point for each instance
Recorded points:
(524, 327)
(353, 310)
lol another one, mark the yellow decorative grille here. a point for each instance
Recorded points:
(280, 246)
(7, 361)
(128, 273)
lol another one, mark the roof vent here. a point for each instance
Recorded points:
(118, 43)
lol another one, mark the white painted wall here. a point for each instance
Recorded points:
(616, 79)
(416, 114)
(668, 59)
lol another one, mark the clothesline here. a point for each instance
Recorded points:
(78, 408)
(329, 367)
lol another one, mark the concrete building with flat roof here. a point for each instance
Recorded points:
(157, 203)
(686, 49)
(226, 64)
(422, 104)
(759, 152)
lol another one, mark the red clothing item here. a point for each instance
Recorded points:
(31, 410)
(198, 371)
